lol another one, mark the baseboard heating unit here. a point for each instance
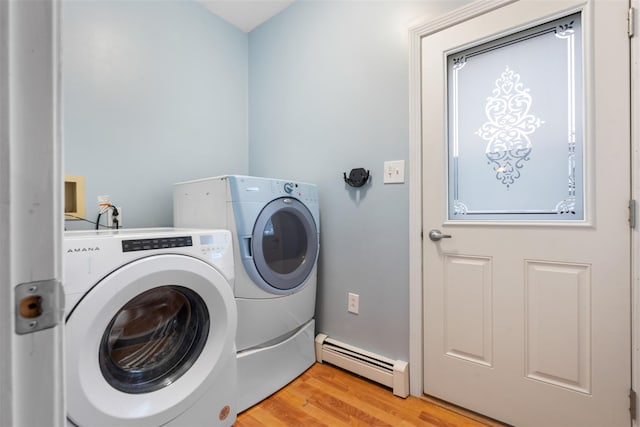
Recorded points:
(388, 372)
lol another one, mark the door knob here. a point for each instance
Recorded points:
(436, 235)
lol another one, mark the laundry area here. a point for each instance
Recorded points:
(187, 222)
(199, 210)
(197, 322)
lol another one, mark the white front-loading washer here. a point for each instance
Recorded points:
(275, 226)
(150, 328)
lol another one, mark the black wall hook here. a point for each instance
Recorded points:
(357, 177)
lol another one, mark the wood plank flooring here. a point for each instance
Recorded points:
(328, 396)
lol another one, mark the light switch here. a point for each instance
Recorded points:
(394, 172)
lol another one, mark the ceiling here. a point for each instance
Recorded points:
(246, 14)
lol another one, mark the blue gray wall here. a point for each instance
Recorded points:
(328, 91)
(154, 92)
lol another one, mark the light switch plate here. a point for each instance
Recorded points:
(353, 303)
(394, 172)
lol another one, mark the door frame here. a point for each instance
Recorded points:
(417, 32)
(635, 194)
(31, 208)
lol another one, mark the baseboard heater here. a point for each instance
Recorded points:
(391, 373)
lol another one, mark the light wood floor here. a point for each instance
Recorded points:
(328, 396)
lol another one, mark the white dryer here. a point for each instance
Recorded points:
(275, 227)
(150, 328)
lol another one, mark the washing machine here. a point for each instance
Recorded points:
(150, 328)
(275, 228)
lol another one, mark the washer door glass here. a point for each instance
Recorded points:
(154, 339)
(285, 243)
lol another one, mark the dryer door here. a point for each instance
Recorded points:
(284, 246)
(147, 341)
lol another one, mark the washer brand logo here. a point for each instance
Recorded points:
(88, 249)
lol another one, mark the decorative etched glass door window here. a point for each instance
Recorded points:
(515, 125)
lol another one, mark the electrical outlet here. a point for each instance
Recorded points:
(110, 217)
(353, 303)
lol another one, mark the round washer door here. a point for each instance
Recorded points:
(284, 245)
(146, 342)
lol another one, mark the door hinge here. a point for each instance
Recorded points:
(38, 305)
(631, 22)
(632, 213)
(632, 403)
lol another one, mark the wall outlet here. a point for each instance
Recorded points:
(111, 219)
(353, 303)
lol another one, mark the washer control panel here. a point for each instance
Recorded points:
(214, 245)
(134, 245)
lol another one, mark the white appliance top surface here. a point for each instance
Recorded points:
(134, 232)
(267, 181)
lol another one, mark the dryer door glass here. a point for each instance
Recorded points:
(285, 244)
(281, 253)
(154, 339)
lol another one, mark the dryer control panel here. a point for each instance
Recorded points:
(307, 193)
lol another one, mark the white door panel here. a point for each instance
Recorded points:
(527, 318)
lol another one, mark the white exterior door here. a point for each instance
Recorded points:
(526, 154)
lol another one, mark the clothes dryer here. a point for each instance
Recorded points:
(275, 228)
(150, 328)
